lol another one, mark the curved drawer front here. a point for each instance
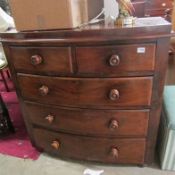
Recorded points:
(86, 92)
(45, 60)
(117, 60)
(129, 151)
(90, 122)
(156, 12)
(159, 4)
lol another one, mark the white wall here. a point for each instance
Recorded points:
(111, 8)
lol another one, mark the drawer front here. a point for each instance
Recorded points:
(124, 59)
(129, 151)
(90, 122)
(87, 92)
(159, 4)
(45, 60)
(156, 12)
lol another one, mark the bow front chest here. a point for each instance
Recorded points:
(92, 93)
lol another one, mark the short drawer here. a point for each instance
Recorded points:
(87, 92)
(116, 60)
(156, 12)
(129, 151)
(45, 60)
(159, 4)
(90, 122)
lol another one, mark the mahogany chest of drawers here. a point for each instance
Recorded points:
(92, 93)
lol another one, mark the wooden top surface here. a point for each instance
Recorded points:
(153, 27)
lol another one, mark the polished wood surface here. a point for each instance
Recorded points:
(92, 93)
(80, 92)
(94, 149)
(42, 59)
(149, 8)
(170, 78)
(142, 59)
(145, 28)
(158, 5)
(90, 122)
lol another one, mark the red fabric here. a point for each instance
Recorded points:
(9, 82)
(17, 144)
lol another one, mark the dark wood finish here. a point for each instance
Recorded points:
(130, 151)
(43, 90)
(89, 102)
(153, 8)
(115, 153)
(159, 4)
(139, 6)
(79, 92)
(114, 95)
(47, 60)
(114, 60)
(49, 118)
(114, 124)
(55, 144)
(159, 79)
(170, 78)
(157, 12)
(141, 59)
(90, 122)
(36, 60)
(92, 35)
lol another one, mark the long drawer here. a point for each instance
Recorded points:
(116, 59)
(45, 60)
(129, 151)
(86, 92)
(90, 122)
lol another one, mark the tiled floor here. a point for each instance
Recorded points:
(47, 165)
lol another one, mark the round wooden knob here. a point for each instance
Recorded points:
(163, 4)
(55, 144)
(36, 60)
(167, 14)
(49, 118)
(114, 94)
(43, 90)
(168, 11)
(114, 60)
(114, 124)
(115, 153)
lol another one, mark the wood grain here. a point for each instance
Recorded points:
(90, 122)
(55, 59)
(77, 116)
(130, 151)
(79, 92)
(130, 59)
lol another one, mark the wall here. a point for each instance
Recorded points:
(111, 8)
